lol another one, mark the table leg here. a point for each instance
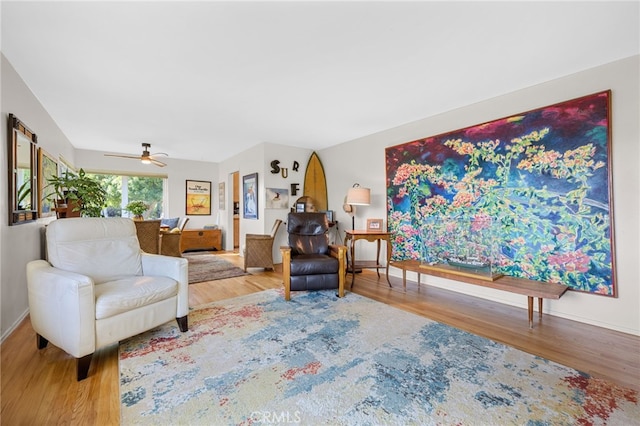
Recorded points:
(378, 258)
(388, 260)
(540, 307)
(530, 303)
(353, 262)
(404, 279)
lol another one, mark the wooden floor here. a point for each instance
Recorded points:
(39, 387)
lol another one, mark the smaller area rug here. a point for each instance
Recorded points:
(317, 359)
(210, 267)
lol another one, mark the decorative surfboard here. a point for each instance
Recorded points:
(315, 184)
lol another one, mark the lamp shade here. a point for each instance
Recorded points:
(359, 196)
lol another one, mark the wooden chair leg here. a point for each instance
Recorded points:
(82, 366)
(286, 272)
(183, 323)
(41, 342)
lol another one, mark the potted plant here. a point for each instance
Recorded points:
(77, 194)
(137, 208)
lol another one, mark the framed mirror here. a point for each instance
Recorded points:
(23, 188)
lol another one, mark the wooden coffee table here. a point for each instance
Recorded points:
(529, 288)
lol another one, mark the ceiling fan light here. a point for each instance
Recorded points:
(145, 161)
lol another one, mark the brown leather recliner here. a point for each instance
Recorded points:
(310, 262)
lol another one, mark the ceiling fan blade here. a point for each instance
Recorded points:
(145, 157)
(135, 157)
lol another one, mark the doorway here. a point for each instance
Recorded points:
(236, 210)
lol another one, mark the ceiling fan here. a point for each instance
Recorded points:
(145, 158)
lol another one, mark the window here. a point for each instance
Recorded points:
(122, 189)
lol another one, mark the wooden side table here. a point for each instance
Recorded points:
(371, 236)
(529, 288)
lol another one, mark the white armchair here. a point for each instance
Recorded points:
(97, 287)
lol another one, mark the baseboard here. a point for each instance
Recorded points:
(14, 326)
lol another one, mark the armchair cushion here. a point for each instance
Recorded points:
(312, 264)
(307, 234)
(170, 222)
(79, 245)
(116, 297)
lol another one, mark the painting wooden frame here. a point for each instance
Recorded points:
(47, 168)
(250, 204)
(542, 178)
(198, 198)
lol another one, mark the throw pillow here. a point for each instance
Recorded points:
(171, 222)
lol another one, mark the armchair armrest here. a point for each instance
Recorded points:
(340, 253)
(258, 237)
(286, 270)
(172, 267)
(62, 307)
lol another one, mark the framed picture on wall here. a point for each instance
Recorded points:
(47, 168)
(329, 214)
(221, 196)
(276, 198)
(250, 196)
(198, 199)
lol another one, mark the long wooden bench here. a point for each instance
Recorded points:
(529, 288)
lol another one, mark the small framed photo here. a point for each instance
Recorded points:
(300, 207)
(329, 214)
(374, 224)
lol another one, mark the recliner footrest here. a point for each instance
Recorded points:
(314, 282)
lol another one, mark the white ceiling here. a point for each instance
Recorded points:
(206, 80)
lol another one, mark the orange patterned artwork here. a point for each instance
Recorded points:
(198, 201)
(536, 185)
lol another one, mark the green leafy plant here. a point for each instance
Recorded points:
(86, 192)
(137, 208)
(23, 193)
(542, 233)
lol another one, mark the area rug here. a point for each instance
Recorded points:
(210, 267)
(318, 359)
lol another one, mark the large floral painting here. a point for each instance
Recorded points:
(541, 179)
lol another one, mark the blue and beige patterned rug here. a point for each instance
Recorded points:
(317, 359)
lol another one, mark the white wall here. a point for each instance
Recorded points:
(363, 161)
(23, 240)
(258, 160)
(177, 173)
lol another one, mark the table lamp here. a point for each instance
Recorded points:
(357, 196)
